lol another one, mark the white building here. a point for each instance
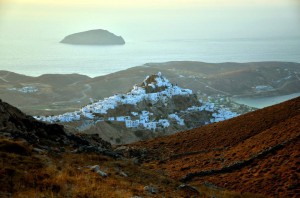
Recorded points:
(132, 124)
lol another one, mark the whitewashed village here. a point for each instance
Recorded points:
(26, 89)
(151, 107)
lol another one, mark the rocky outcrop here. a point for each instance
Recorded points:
(94, 37)
(16, 125)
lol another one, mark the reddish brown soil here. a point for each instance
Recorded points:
(257, 152)
(44, 160)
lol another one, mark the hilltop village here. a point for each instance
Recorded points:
(156, 90)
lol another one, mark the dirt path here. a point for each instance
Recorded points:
(3, 77)
(214, 89)
(88, 87)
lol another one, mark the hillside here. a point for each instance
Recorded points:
(257, 79)
(154, 107)
(16, 125)
(45, 160)
(253, 155)
(257, 152)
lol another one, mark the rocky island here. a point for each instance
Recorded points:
(93, 37)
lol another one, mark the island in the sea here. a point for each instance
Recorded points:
(93, 37)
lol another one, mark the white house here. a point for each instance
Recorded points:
(135, 113)
(164, 123)
(150, 125)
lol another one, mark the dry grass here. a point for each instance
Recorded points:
(17, 147)
(243, 139)
(67, 175)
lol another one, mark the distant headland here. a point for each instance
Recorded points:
(93, 37)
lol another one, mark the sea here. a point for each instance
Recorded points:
(37, 56)
(261, 102)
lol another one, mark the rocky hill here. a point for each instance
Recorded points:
(94, 37)
(16, 125)
(257, 152)
(155, 107)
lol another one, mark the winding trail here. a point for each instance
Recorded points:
(3, 77)
(88, 87)
(214, 89)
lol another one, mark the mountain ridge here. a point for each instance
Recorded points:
(279, 78)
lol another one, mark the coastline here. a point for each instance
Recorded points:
(37, 57)
(73, 91)
(148, 64)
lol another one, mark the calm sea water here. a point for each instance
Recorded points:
(36, 57)
(266, 101)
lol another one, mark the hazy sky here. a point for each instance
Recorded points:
(151, 19)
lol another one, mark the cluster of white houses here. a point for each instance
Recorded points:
(142, 121)
(27, 89)
(219, 114)
(136, 119)
(222, 114)
(162, 123)
(136, 95)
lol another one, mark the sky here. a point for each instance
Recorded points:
(151, 19)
